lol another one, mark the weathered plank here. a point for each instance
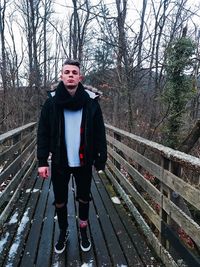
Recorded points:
(29, 254)
(16, 163)
(115, 250)
(73, 251)
(10, 228)
(190, 193)
(137, 177)
(169, 153)
(8, 135)
(17, 248)
(140, 244)
(89, 257)
(5, 155)
(6, 211)
(46, 241)
(141, 160)
(184, 221)
(187, 191)
(152, 239)
(15, 182)
(125, 241)
(191, 228)
(147, 209)
(102, 254)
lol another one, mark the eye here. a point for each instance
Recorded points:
(75, 72)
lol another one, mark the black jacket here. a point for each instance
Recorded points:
(50, 136)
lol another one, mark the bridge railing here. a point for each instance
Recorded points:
(17, 159)
(158, 184)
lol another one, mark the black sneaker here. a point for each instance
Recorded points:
(85, 242)
(61, 244)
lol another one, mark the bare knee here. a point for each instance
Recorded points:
(60, 205)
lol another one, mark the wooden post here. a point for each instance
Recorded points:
(118, 138)
(165, 193)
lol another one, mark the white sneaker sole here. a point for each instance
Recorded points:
(60, 251)
(85, 249)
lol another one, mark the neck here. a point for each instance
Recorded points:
(71, 90)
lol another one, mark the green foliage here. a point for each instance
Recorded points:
(179, 89)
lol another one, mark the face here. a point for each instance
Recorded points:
(71, 77)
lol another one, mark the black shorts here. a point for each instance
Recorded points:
(60, 180)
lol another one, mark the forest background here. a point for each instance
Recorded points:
(142, 55)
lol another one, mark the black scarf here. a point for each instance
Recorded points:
(65, 100)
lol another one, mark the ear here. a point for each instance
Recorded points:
(81, 77)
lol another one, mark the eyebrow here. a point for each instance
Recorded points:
(74, 71)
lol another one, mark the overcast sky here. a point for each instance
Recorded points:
(134, 7)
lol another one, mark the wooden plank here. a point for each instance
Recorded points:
(46, 244)
(29, 254)
(10, 228)
(185, 190)
(190, 193)
(15, 164)
(125, 242)
(58, 260)
(115, 250)
(146, 163)
(87, 258)
(5, 155)
(5, 195)
(4, 137)
(184, 221)
(142, 249)
(17, 248)
(101, 252)
(189, 258)
(73, 252)
(147, 209)
(169, 153)
(137, 177)
(5, 213)
(151, 238)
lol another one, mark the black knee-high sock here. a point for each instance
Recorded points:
(62, 218)
(83, 211)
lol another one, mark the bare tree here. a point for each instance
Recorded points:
(140, 37)
(3, 62)
(80, 19)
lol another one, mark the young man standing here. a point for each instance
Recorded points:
(71, 127)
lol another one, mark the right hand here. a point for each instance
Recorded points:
(43, 172)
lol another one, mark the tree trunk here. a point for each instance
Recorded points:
(140, 37)
(191, 139)
(3, 64)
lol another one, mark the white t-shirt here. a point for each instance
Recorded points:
(72, 121)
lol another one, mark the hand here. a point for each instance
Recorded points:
(43, 172)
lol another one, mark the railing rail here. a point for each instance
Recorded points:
(153, 185)
(17, 159)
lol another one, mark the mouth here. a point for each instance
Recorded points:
(70, 81)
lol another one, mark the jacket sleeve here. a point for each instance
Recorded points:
(100, 146)
(43, 136)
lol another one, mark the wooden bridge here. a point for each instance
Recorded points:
(144, 210)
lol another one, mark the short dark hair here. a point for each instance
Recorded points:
(70, 61)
